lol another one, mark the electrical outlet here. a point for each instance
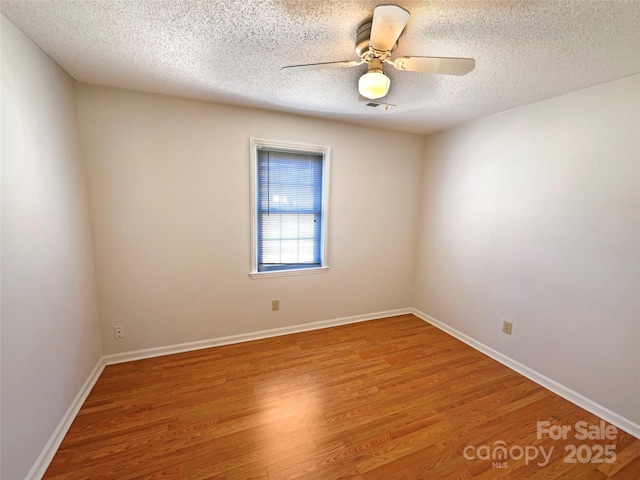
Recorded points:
(275, 305)
(506, 327)
(118, 331)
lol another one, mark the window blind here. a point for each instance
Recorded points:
(289, 197)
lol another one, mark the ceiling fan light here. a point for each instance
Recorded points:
(374, 84)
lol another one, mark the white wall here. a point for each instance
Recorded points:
(532, 216)
(169, 194)
(50, 326)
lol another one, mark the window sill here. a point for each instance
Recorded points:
(289, 273)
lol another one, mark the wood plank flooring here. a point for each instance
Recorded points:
(387, 399)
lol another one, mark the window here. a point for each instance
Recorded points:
(289, 208)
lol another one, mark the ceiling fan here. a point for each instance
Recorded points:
(375, 41)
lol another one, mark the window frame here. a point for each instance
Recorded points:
(293, 147)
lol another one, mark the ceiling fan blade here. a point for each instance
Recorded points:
(315, 66)
(442, 65)
(387, 25)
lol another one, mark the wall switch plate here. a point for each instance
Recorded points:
(275, 305)
(118, 331)
(506, 327)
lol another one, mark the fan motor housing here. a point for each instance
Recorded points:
(362, 37)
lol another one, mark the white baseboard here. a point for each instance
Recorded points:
(548, 383)
(247, 337)
(44, 459)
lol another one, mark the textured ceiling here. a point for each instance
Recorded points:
(231, 51)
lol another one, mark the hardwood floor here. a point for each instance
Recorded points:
(388, 399)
